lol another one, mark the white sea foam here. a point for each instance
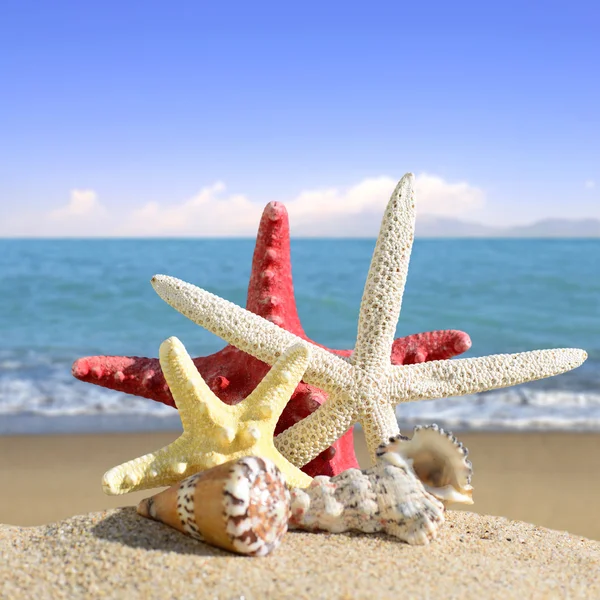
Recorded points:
(61, 397)
(56, 398)
(515, 408)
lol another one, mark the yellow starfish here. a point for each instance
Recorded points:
(214, 432)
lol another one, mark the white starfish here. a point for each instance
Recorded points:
(365, 387)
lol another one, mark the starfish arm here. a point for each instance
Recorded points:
(194, 400)
(249, 332)
(379, 423)
(272, 394)
(313, 434)
(271, 289)
(445, 378)
(166, 466)
(430, 345)
(134, 375)
(382, 296)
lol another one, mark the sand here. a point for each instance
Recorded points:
(547, 479)
(117, 554)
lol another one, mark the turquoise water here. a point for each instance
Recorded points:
(62, 299)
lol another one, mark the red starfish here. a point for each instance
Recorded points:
(232, 374)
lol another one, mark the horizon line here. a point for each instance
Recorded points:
(298, 237)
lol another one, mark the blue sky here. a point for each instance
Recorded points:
(156, 118)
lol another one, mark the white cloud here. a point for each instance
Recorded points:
(355, 211)
(323, 204)
(83, 203)
(82, 216)
(211, 212)
(434, 195)
(438, 197)
(589, 184)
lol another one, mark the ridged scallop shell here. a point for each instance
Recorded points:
(438, 459)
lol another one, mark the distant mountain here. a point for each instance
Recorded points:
(559, 228)
(428, 226)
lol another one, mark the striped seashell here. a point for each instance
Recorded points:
(242, 506)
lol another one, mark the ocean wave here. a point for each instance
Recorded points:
(54, 398)
(61, 397)
(517, 409)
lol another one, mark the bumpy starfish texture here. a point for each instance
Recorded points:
(232, 374)
(214, 432)
(364, 387)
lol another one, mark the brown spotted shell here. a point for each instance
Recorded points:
(242, 506)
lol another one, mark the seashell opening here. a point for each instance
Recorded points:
(438, 459)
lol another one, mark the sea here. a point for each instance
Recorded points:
(64, 299)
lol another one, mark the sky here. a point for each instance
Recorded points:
(186, 118)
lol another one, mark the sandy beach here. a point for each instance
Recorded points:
(545, 479)
(118, 554)
(549, 479)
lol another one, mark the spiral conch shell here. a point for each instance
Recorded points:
(242, 506)
(438, 459)
(401, 495)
